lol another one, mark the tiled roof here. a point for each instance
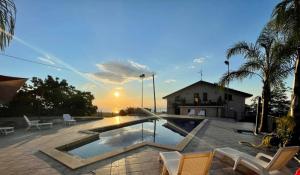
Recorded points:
(211, 84)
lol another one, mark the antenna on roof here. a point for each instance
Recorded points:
(200, 72)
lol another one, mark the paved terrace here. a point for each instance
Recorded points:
(19, 152)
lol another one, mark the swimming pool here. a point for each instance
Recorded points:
(165, 132)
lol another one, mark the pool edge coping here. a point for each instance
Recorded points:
(75, 162)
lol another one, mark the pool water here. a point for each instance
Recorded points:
(156, 131)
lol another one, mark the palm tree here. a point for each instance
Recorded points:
(266, 59)
(7, 22)
(286, 15)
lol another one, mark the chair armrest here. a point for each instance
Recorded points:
(262, 155)
(253, 162)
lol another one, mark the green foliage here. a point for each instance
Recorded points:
(7, 22)
(268, 59)
(284, 129)
(133, 111)
(286, 16)
(50, 97)
(279, 104)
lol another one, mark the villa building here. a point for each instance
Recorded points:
(207, 99)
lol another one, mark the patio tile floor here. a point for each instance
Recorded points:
(19, 152)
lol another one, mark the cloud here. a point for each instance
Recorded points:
(46, 60)
(119, 88)
(120, 72)
(88, 86)
(199, 60)
(170, 81)
(192, 67)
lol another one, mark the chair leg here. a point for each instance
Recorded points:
(164, 171)
(236, 164)
(28, 128)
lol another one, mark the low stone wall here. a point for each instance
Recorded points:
(19, 122)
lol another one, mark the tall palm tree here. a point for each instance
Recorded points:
(266, 59)
(7, 22)
(287, 17)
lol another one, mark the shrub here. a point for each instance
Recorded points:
(284, 129)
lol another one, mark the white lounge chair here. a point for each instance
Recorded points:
(36, 123)
(175, 163)
(201, 113)
(68, 119)
(6, 130)
(276, 163)
(192, 112)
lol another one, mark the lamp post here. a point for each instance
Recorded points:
(227, 105)
(154, 98)
(227, 63)
(142, 76)
(154, 133)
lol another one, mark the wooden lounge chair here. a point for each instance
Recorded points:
(6, 130)
(175, 163)
(68, 119)
(36, 123)
(276, 163)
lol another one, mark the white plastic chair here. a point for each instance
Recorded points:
(175, 163)
(68, 119)
(6, 130)
(192, 112)
(36, 123)
(257, 164)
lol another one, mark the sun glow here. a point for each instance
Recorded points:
(117, 119)
(116, 94)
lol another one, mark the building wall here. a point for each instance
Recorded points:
(236, 107)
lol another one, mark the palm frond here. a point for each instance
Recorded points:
(248, 50)
(287, 17)
(7, 22)
(235, 75)
(279, 12)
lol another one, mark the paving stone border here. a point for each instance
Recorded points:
(74, 162)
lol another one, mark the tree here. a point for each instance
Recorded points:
(50, 97)
(279, 104)
(266, 59)
(286, 16)
(7, 22)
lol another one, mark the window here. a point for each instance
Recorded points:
(228, 97)
(204, 96)
(196, 99)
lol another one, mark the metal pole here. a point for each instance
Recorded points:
(142, 92)
(154, 93)
(228, 89)
(154, 132)
(142, 76)
(258, 107)
(227, 100)
(142, 131)
(228, 73)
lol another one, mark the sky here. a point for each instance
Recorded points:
(103, 46)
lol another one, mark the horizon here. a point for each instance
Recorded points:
(103, 46)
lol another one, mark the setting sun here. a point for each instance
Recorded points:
(116, 94)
